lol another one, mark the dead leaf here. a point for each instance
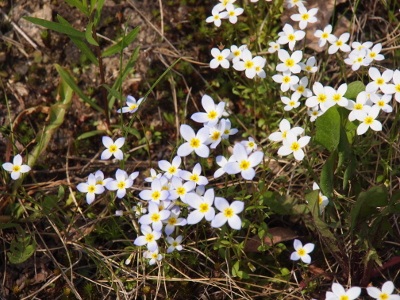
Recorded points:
(325, 10)
(279, 234)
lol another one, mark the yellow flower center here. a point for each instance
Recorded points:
(358, 106)
(149, 237)
(325, 35)
(16, 168)
(172, 170)
(321, 98)
(284, 134)
(194, 143)
(154, 255)
(344, 298)
(132, 107)
(291, 37)
(91, 189)
(181, 191)
(172, 221)
(339, 43)
(305, 17)
(359, 59)
(315, 113)
(383, 296)
(212, 115)
(165, 188)
(308, 68)
(113, 148)
(319, 199)
(251, 144)
(295, 146)
(300, 89)
(372, 55)
(226, 131)
(215, 136)
(156, 195)
(248, 64)
(204, 207)
(121, 185)
(369, 120)
(381, 103)
(231, 13)
(228, 213)
(380, 81)
(289, 63)
(292, 103)
(286, 79)
(175, 244)
(301, 252)
(258, 69)
(155, 217)
(244, 165)
(236, 53)
(337, 97)
(216, 17)
(100, 182)
(194, 177)
(220, 58)
(397, 88)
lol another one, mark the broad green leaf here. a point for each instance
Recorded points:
(350, 170)
(79, 6)
(90, 134)
(327, 176)
(328, 129)
(313, 202)
(21, 248)
(80, 43)
(126, 40)
(343, 149)
(56, 27)
(71, 82)
(366, 204)
(286, 205)
(353, 89)
(89, 34)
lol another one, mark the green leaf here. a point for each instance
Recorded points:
(350, 170)
(366, 205)
(126, 40)
(90, 134)
(353, 89)
(328, 129)
(286, 205)
(21, 248)
(56, 27)
(327, 176)
(71, 82)
(114, 93)
(97, 14)
(344, 149)
(79, 6)
(89, 34)
(80, 43)
(313, 202)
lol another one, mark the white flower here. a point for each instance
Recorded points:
(236, 53)
(112, 148)
(153, 255)
(148, 238)
(325, 35)
(156, 193)
(155, 216)
(302, 252)
(228, 130)
(223, 4)
(195, 175)
(259, 68)
(292, 145)
(336, 96)
(289, 35)
(314, 113)
(194, 142)
(171, 169)
(396, 86)
(139, 209)
(222, 161)
(292, 3)
(292, 102)
(357, 58)
(121, 183)
(382, 102)
(250, 145)
(100, 178)
(301, 88)
(215, 133)
(16, 167)
(91, 188)
(286, 80)
(358, 108)
(322, 200)
(320, 98)
(249, 64)
(134, 175)
(379, 81)
(309, 66)
(289, 62)
(339, 293)
(233, 12)
(358, 46)
(385, 293)
(220, 58)
(173, 221)
(175, 244)
(374, 52)
(340, 44)
(305, 16)
(132, 105)
(228, 212)
(213, 112)
(153, 175)
(368, 120)
(180, 190)
(284, 127)
(216, 17)
(244, 164)
(273, 47)
(202, 207)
